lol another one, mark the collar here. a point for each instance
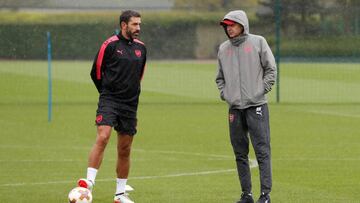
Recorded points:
(128, 41)
(236, 41)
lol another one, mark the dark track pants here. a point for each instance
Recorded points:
(253, 121)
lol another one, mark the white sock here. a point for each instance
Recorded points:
(91, 174)
(120, 185)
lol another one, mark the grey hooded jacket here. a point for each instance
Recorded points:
(246, 67)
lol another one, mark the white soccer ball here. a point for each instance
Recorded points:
(80, 195)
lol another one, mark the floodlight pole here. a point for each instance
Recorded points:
(49, 77)
(277, 54)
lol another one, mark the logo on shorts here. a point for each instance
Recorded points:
(138, 53)
(231, 117)
(259, 111)
(99, 118)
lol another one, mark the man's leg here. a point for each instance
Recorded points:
(123, 162)
(123, 150)
(96, 156)
(259, 129)
(126, 131)
(97, 151)
(240, 143)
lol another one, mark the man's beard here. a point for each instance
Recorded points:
(132, 35)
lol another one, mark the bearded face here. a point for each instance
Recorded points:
(131, 30)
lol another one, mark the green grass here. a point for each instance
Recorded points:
(182, 151)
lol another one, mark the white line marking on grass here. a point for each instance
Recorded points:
(331, 113)
(317, 159)
(136, 150)
(39, 183)
(43, 147)
(210, 156)
(131, 178)
(39, 160)
(176, 175)
(253, 164)
(184, 153)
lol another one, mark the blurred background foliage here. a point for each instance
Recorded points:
(178, 29)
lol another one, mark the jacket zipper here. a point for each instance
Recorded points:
(238, 65)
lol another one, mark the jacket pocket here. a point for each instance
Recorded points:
(258, 93)
(225, 96)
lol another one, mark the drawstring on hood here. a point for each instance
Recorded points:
(240, 17)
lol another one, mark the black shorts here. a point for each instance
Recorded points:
(112, 114)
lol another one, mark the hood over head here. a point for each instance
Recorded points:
(237, 16)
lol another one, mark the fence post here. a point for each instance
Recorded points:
(49, 77)
(277, 54)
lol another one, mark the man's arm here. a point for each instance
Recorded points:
(269, 66)
(220, 81)
(144, 65)
(105, 52)
(97, 81)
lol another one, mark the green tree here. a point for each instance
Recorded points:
(349, 10)
(210, 5)
(16, 4)
(297, 13)
(213, 5)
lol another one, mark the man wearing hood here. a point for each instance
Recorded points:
(246, 73)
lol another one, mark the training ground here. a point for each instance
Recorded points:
(182, 151)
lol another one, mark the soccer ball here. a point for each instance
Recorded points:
(80, 195)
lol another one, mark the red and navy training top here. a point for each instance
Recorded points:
(118, 69)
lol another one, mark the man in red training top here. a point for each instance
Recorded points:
(117, 72)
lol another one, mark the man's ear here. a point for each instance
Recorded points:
(243, 29)
(122, 25)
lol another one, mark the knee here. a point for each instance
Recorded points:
(241, 157)
(241, 153)
(262, 156)
(102, 138)
(124, 151)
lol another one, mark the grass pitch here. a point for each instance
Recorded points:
(182, 151)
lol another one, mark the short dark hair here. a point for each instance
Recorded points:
(126, 15)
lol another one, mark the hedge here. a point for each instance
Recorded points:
(81, 41)
(79, 35)
(168, 35)
(326, 46)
